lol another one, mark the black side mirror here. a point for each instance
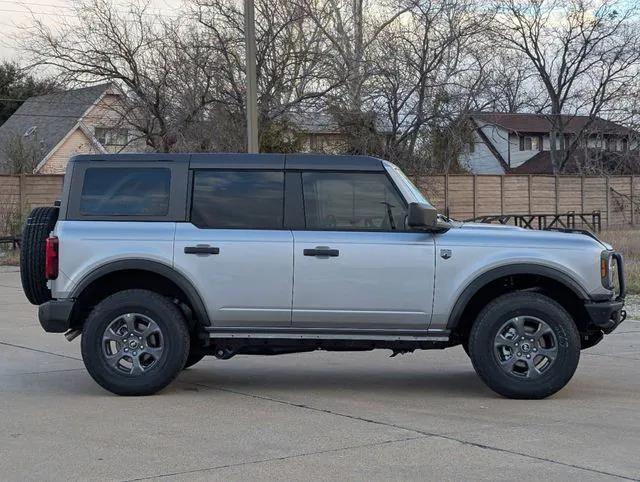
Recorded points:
(422, 216)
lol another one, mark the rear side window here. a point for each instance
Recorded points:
(352, 202)
(125, 192)
(238, 199)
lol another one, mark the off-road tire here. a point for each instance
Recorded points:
(485, 360)
(36, 230)
(175, 334)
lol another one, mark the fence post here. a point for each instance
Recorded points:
(606, 187)
(502, 195)
(557, 196)
(582, 194)
(22, 194)
(632, 205)
(446, 194)
(529, 193)
(475, 195)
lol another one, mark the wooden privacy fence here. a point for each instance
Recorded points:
(20, 194)
(462, 196)
(465, 197)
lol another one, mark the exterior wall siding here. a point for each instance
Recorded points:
(76, 143)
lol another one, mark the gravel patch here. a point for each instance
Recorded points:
(632, 305)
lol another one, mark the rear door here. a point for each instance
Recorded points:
(356, 266)
(235, 247)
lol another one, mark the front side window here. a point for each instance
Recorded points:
(125, 192)
(352, 202)
(238, 199)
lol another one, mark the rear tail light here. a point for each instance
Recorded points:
(51, 258)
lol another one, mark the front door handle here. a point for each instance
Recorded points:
(322, 252)
(201, 250)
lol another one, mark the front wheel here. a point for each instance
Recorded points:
(524, 345)
(135, 342)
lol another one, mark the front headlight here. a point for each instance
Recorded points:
(607, 268)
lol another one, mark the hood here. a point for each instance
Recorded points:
(509, 235)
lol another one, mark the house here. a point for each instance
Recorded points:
(321, 132)
(504, 143)
(46, 131)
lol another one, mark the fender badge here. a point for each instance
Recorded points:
(445, 253)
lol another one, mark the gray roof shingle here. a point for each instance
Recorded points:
(48, 118)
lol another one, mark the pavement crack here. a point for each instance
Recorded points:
(610, 356)
(281, 458)
(43, 372)
(422, 433)
(39, 351)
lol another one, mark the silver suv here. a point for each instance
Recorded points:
(158, 260)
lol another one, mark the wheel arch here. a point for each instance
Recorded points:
(142, 268)
(521, 276)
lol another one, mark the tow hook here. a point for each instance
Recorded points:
(72, 334)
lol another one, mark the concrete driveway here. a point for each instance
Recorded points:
(310, 416)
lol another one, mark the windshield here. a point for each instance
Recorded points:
(414, 190)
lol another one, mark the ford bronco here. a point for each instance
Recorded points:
(158, 260)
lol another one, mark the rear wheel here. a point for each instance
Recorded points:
(135, 342)
(524, 345)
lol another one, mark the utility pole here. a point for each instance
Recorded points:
(252, 81)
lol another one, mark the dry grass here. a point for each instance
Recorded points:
(10, 258)
(627, 241)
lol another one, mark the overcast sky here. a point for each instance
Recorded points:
(14, 13)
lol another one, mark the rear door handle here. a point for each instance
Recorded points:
(201, 250)
(319, 251)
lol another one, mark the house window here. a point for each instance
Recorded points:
(612, 144)
(317, 143)
(530, 143)
(112, 136)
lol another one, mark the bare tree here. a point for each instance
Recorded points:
(289, 60)
(349, 30)
(584, 53)
(161, 63)
(23, 154)
(511, 84)
(426, 74)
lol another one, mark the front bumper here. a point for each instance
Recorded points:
(55, 315)
(606, 315)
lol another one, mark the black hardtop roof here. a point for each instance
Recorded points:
(247, 161)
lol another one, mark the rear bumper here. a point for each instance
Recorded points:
(606, 315)
(55, 315)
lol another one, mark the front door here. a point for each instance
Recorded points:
(235, 249)
(356, 266)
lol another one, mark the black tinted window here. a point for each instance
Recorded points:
(125, 192)
(238, 199)
(352, 201)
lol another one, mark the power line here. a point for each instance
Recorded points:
(35, 100)
(27, 6)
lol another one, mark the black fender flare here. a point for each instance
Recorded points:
(155, 267)
(510, 270)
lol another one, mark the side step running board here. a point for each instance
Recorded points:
(324, 334)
